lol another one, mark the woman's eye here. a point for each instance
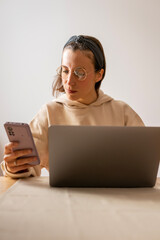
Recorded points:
(65, 71)
(80, 74)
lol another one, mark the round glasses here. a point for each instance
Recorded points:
(79, 72)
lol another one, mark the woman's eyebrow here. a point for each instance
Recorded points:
(75, 67)
(64, 66)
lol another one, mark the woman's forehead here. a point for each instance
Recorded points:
(72, 58)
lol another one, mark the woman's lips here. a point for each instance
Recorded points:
(71, 91)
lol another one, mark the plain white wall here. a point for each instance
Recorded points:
(32, 35)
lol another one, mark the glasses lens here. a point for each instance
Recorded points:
(80, 73)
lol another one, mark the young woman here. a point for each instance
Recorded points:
(79, 78)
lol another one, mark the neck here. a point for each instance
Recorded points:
(90, 100)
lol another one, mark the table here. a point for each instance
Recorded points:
(30, 209)
(6, 182)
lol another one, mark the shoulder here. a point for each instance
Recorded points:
(48, 110)
(42, 113)
(52, 104)
(119, 105)
(130, 115)
(48, 106)
(131, 118)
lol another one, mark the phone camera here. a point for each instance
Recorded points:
(10, 131)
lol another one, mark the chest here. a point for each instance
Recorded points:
(100, 116)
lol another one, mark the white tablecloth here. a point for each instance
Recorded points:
(31, 209)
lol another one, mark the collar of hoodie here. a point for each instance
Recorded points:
(102, 98)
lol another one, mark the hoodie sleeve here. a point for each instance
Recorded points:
(131, 118)
(31, 172)
(39, 128)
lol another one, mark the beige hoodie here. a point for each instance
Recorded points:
(62, 111)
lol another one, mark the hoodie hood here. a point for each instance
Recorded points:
(102, 98)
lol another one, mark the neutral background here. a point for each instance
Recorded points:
(32, 35)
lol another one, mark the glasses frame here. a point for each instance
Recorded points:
(81, 80)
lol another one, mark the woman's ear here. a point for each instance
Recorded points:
(99, 75)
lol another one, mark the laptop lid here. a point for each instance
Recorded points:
(103, 156)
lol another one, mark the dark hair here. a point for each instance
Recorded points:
(57, 86)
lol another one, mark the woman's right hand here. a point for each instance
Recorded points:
(14, 162)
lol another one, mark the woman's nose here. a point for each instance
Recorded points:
(71, 79)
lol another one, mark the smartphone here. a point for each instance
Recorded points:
(20, 132)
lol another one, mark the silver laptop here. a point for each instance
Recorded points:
(102, 156)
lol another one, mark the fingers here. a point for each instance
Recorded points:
(16, 154)
(18, 168)
(13, 160)
(21, 162)
(9, 147)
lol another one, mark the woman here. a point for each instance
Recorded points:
(80, 75)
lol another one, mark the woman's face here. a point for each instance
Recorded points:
(79, 90)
